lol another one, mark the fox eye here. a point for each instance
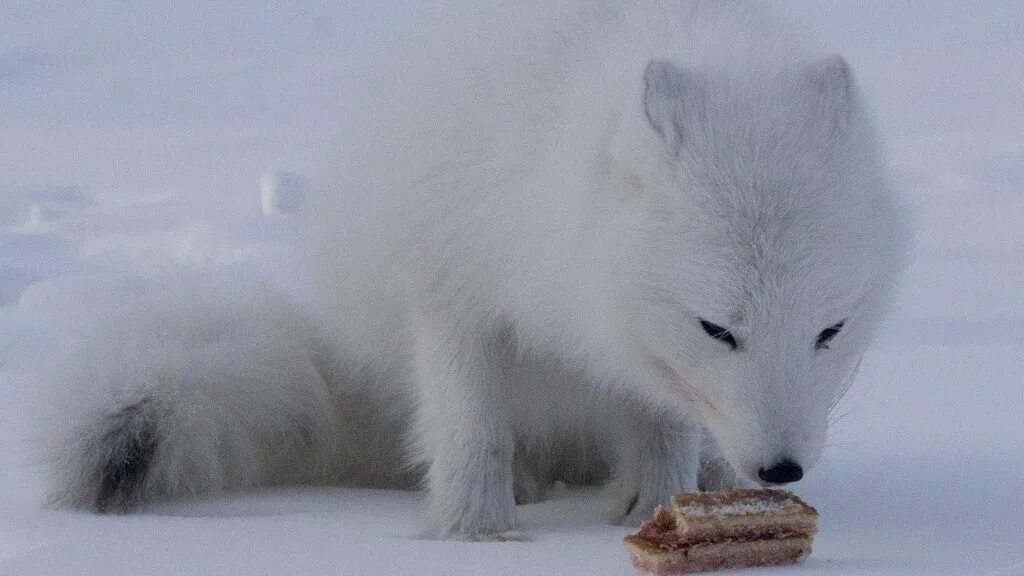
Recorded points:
(718, 333)
(827, 335)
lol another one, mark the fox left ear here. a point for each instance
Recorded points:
(672, 98)
(830, 82)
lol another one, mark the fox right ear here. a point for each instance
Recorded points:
(671, 97)
(830, 83)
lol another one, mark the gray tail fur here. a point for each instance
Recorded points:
(126, 452)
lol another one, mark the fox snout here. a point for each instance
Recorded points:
(766, 458)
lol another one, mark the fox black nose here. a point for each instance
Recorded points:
(784, 472)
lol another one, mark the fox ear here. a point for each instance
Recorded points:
(671, 94)
(830, 83)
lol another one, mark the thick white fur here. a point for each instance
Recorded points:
(507, 230)
(228, 385)
(518, 234)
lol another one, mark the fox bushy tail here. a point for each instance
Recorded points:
(202, 388)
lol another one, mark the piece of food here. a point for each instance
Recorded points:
(731, 529)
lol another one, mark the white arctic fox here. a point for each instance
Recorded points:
(559, 240)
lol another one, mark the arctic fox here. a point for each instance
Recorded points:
(559, 240)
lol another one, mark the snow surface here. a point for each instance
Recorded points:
(132, 140)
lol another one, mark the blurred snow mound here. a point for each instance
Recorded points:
(282, 192)
(31, 210)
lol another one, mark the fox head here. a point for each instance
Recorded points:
(770, 242)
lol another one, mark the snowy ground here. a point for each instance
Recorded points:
(132, 137)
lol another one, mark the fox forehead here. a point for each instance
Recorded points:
(749, 269)
(758, 249)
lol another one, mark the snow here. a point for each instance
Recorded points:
(132, 140)
(281, 191)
